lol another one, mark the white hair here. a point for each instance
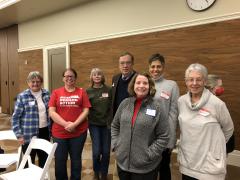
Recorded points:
(197, 67)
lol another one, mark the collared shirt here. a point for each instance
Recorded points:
(127, 76)
(41, 109)
(25, 119)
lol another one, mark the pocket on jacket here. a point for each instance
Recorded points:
(214, 165)
(121, 155)
(140, 159)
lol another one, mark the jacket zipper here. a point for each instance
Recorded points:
(132, 128)
(130, 149)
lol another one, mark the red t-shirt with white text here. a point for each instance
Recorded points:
(69, 106)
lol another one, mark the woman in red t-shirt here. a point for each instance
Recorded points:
(68, 108)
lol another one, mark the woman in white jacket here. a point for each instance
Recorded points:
(206, 126)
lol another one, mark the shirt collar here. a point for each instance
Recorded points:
(127, 76)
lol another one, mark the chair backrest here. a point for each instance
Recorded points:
(7, 135)
(10, 158)
(43, 145)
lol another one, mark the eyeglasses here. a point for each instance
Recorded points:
(192, 80)
(69, 76)
(125, 63)
(36, 82)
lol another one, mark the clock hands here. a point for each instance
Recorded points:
(200, 5)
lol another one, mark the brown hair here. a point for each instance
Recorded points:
(156, 57)
(70, 69)
(152, 89)
(128, 54)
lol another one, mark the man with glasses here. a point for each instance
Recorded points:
(120, 81)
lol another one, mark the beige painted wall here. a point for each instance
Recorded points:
(113, 18)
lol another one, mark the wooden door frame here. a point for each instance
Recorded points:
(45, 60)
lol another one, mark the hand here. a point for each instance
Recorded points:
(70, 127)
(170, 150)
(21, 140)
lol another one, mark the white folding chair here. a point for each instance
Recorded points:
(8, 159)
(33, 172)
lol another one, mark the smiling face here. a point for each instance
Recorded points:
(195, 83)
(125, 65)
(97, 78)
(141, 86)
(156, 69)
(69, 78)
(35, 84)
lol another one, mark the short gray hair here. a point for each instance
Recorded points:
(197, 67)
(212, 81)
(34, 74)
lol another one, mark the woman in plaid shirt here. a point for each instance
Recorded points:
(30, 117)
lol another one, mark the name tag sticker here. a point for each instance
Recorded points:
(31, 103)
(151, 112)
(165, 95)
(104, 95)
(113, 85)
(204, 112)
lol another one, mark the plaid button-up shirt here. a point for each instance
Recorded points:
(25, 119)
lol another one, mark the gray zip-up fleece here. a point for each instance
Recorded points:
(138, 148)
(168, 94)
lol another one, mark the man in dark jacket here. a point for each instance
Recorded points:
(120, 81)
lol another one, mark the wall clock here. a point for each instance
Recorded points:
(200, 5)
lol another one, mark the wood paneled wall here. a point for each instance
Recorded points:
(215, 45)
(29, 61)
(9, 67)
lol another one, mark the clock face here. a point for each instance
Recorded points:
(200, 5)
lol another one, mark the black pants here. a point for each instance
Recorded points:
(164, 166)
(125, 175)
(185, 177)
(42, 156)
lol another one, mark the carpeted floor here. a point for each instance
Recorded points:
(87, 173)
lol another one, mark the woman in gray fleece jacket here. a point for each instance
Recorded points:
(140, 131)
(205, 128)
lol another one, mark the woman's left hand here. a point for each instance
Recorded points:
(70, 127)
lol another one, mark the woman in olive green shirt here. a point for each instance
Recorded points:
(99, 122)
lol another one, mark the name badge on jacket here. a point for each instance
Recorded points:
(151, 112)
(165, 95)
(31, 103)
(105, 95)
(203, 112)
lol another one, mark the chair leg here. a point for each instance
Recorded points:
(48, 176)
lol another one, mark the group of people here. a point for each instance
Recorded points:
(136, 118)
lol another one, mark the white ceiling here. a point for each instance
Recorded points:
(26, 10)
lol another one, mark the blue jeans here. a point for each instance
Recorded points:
(101, 142)
(73, 147)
